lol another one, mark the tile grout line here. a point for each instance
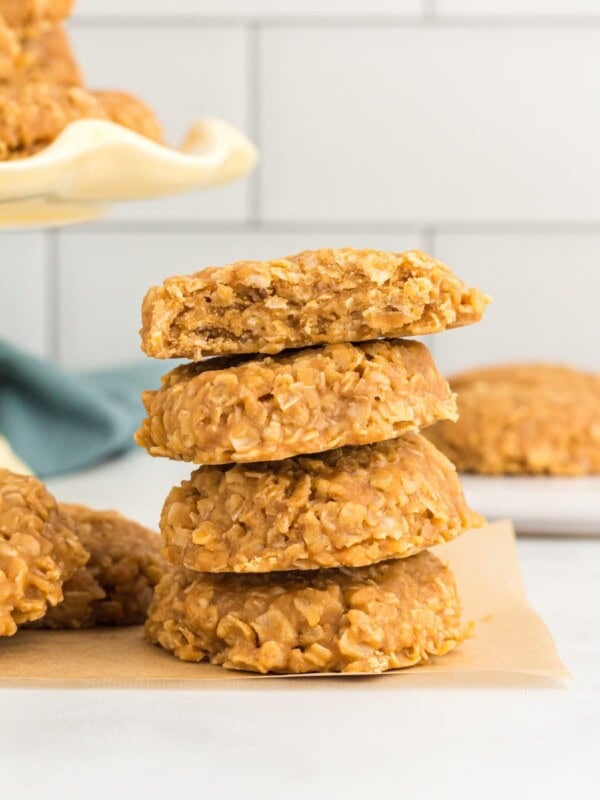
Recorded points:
(257, 226)
(429, 10)
(253, 110)
(428, 18)
(52, 295)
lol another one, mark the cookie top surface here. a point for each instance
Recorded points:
(524, 419)
(315, 297)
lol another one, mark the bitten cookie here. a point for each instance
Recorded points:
(268, 408)
(370, 619)
(316, 297)
(116, 585)
(39, 551)
(349, 507)
(524, 419)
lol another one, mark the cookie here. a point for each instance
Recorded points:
(128, 111)
(349, 507)
(39, 551)
(316, 297)
(32, 115)
(116, 585)
(10, 51)
(370, 619)
(24, 13)
(46, 56)
(531, 419)
(307, 401)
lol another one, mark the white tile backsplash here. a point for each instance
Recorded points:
(24, 291)
(184, 74)
(430, 124)
(249, 8)
(517, 8)
(121, 267)
(545, 291)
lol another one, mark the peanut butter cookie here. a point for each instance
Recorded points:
(307, 401)
(316, 297)
(530, 419)
(39, 551)
(23, 13)
(348, 507)
(370, 619)
(32, 115)
(116, 585)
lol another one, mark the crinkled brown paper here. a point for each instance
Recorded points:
(509, 635)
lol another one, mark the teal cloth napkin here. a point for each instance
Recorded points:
(59, 421)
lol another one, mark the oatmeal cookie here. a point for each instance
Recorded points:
(369, 619)
(348, 507)
(127, 110)
(33, 114)
(39, 550)
(316, 297)
(24, 13)
(307, 401)
(530, 419)
(10, 51)
(116, 585)
(47, 56)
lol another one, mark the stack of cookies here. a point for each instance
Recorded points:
(300, 544)
(41, 86)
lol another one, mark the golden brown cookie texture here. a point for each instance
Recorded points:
(46, 56)
(315, 297)
(348, 507)
(116, 585)
(25, 13)
(39, 551)
(307, 401)
(533, 419)
(130, 112)
(10, 51)
(370, 619)
(32, 115)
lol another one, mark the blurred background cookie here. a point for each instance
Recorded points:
(531, 419)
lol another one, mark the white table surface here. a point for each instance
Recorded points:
(509, 738)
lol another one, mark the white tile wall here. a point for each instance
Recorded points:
(183, 74)
(546, 299)
(122, 266)
(430, 124)
(540, 8)
(24, 292)
(250, 8)
(388, 123)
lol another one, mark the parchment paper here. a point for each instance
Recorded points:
(509, 636)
